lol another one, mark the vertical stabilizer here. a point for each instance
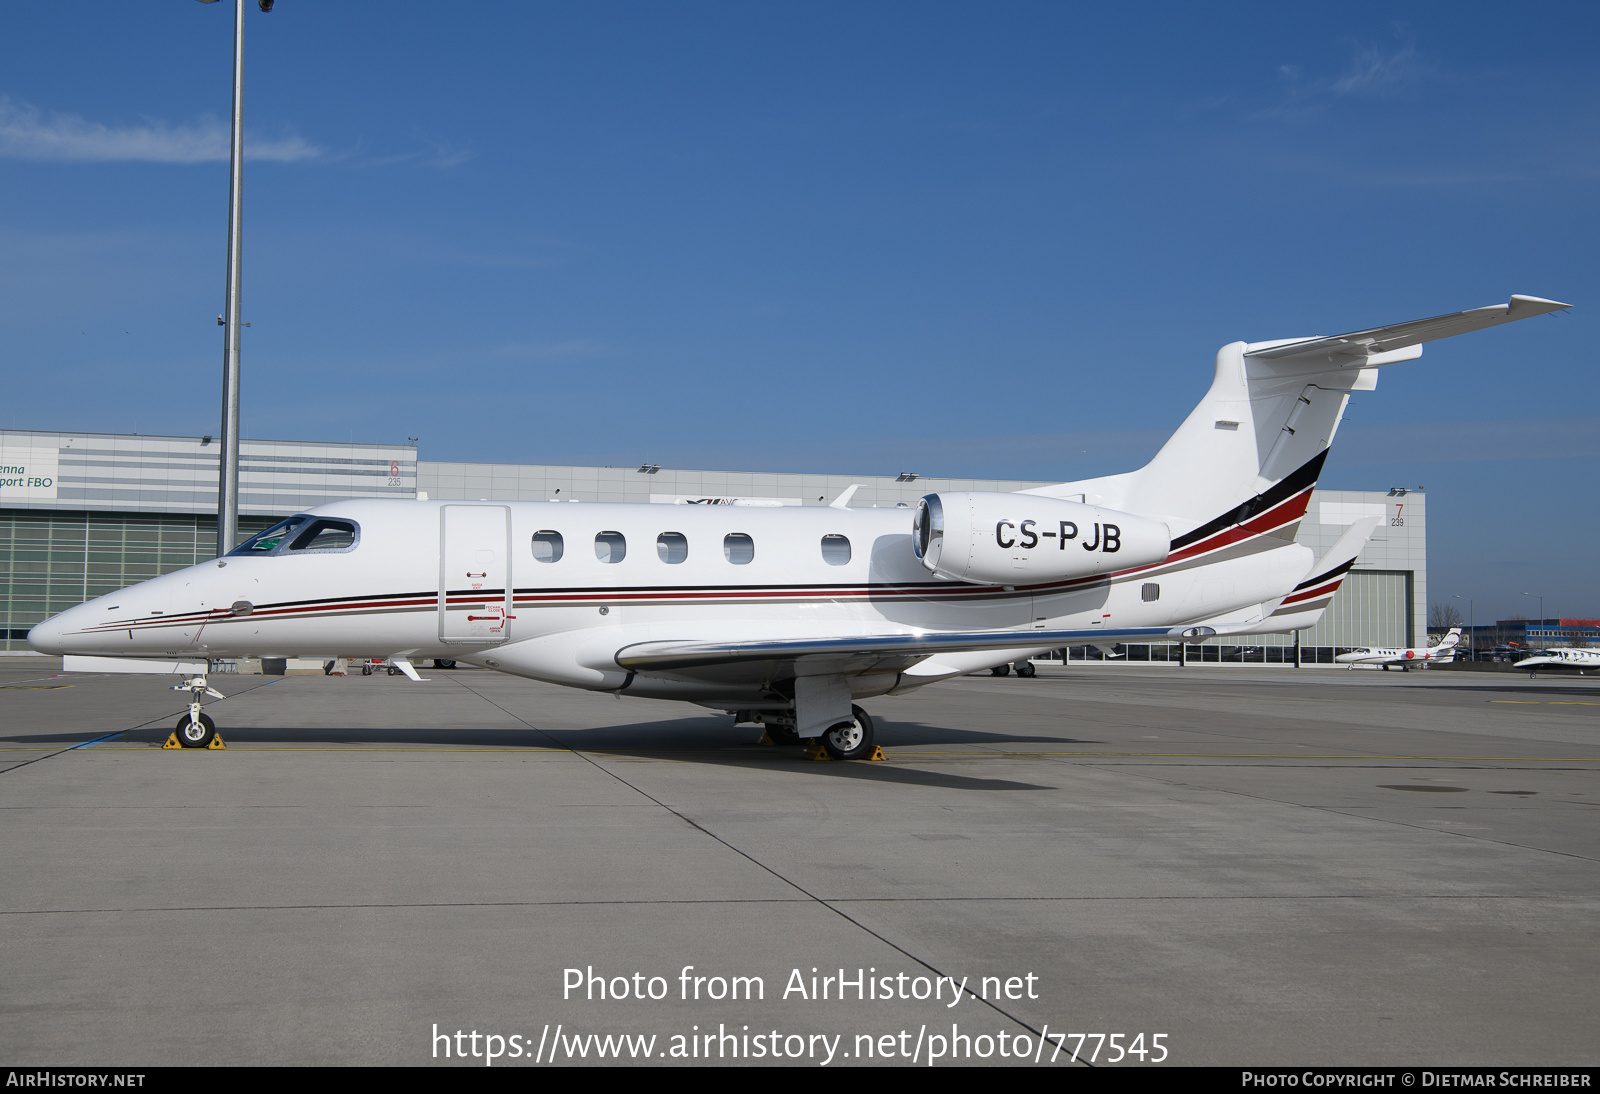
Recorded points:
(1249, 454)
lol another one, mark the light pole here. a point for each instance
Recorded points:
(1540, 599)
(1472, 627)
(228, 457)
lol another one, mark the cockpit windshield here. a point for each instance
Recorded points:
(264, 543)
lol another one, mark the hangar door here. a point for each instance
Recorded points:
(475, 603)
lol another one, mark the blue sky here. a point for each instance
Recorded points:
(955, 239)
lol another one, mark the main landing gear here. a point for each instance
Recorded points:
(196, 730)
(852, 740)
(1025, 669)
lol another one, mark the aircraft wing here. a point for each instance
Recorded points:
(1362, 344)
(671, 656)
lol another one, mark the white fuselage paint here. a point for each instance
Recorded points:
(569, 618)
(1562, 658)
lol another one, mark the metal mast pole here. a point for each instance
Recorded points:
(228, 478)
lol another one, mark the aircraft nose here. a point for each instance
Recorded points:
(49, 636)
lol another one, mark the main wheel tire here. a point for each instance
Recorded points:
(1026, 670)
(193, 736)
(852, 740)
(1000, 670)
(782, 735)
(393, 671)
(443, 663)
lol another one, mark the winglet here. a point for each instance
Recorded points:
(843, 500)
(1304, 607)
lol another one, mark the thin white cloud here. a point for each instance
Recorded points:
(1374, 73)
(28, 133)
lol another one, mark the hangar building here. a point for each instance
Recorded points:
(82, 514)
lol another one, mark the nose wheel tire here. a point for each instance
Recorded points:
(852, 740)
(191, 735)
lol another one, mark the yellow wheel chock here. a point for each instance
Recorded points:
(216, 742)
(815, 751)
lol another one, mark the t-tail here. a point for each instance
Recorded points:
(1243, 463)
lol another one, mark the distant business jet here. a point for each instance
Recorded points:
(787, 616)
(1405, 658)
(1561, 659)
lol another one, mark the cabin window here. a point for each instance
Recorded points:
(672, 547)
(738, 548)
(547, 545)
(326, 535)
(610, 547)
(264, 543)
(835, 550)
(1150, 591)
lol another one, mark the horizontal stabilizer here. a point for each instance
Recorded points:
(1359, 345)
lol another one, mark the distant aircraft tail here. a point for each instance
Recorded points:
(1449, 641)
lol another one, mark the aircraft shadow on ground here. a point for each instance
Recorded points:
(695, 740)
(47, 741)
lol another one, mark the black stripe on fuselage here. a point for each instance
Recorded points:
(1286, 488)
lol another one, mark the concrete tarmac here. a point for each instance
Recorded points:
(1262, 865)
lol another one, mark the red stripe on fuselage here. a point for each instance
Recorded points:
(1289, 510)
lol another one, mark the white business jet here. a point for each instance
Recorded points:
(787, 616)
(1561, 659)
(1404, 657)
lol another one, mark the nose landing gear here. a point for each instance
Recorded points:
(194, 729)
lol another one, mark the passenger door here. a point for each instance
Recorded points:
(475, 592)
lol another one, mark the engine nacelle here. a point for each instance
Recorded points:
(1024, 539)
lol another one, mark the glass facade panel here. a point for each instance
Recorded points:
(52, 560)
